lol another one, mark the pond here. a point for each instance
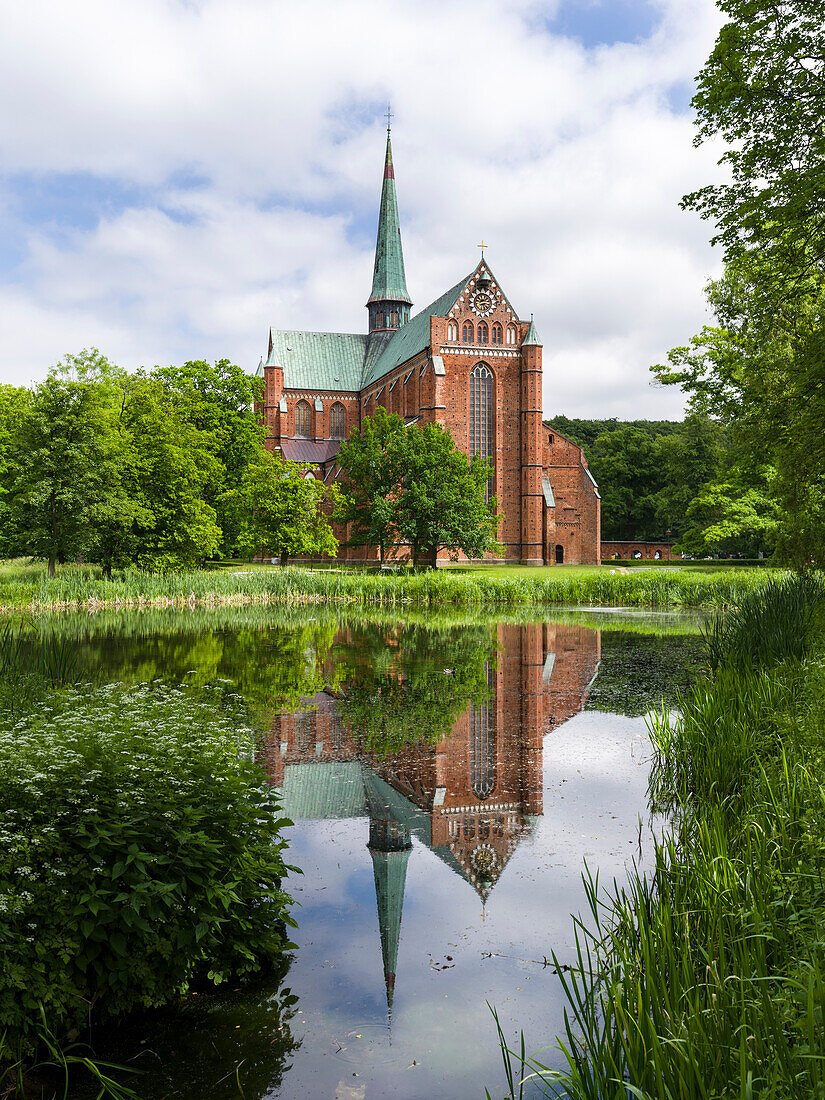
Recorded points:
(448, 782)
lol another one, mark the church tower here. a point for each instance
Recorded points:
(389, 845)
(389, 303)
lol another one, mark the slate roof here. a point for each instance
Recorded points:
(307, 450)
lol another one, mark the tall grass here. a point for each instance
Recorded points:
(707, 978)
(83, 588)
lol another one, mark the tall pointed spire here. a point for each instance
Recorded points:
(389, 845)
(389, 303)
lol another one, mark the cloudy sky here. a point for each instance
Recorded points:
(177, 175)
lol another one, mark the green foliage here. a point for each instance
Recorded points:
(706, 978)
(467, 588)
(141, 850)
(99, 465)
(730, 518)
(762, 372)
(166, 524)
(761, 369)
(648, 471)
(413, 487)
(761, 90)
(625, 463)
(443, 503)
(14, 404)
(278, 508)
(63, 461)
(372, 462)
(395, 689)
(218, 402)
(585, 432)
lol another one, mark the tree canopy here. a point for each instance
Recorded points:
(413, 487)
(127, 469)
(760, 370)
(762, 91)
(277, 508)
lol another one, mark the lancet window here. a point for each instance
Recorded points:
(302, 418)
(482, 336)
(511, 334)
(496, 334)
(482, 415)
(452, 330)
(337, 421)
(483, 748)
(467, 332)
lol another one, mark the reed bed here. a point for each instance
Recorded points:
(707, 978)
(84, 589)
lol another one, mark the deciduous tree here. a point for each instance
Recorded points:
(278, 508)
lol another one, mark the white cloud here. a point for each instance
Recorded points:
(569, 161)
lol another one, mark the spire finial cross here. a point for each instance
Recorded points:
(390, 117)
(482, 246)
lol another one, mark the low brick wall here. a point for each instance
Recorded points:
(648, 551)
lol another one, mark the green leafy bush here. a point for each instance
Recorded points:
(140, 849)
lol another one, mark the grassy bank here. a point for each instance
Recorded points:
(82, 588)
(708, 978)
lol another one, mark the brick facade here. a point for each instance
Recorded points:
(548, 502)
(541, 679)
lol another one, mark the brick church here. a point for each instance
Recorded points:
(471, 798)
(467, 362)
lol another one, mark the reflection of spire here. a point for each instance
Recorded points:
(390, 846)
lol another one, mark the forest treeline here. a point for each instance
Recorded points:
(681, 481)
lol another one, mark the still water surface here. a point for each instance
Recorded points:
(447, 787)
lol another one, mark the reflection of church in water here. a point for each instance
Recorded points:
(470, 798)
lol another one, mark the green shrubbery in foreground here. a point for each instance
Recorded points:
(140, 850)
(601, 586)
(708, 978)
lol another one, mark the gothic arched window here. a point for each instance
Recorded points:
(496, 334)
(467, 332)
(302, 415)
(452, 331)
(511, 334)
(482, 333)
(304, 730)
(483, 749)
(482, 415)
(337, 421)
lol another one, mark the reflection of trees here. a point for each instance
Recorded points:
(271, 666)
(404, 684)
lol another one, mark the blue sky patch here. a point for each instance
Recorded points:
(605, 22)
(63, 202)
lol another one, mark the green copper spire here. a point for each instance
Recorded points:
(390, 868)
(532, 337)
(389, 845)
(389, 302)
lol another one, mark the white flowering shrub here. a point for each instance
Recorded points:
(140, 848)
